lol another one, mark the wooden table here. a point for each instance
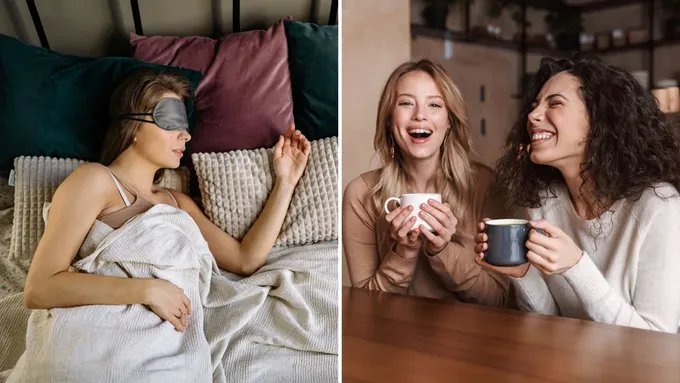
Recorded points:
(396, 338)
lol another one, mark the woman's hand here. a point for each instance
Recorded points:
(481, 246)
(408, 242)
(551, 254)
(169, 302)
(290, 156)
(440, 217)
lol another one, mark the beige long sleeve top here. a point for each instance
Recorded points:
(451, 274)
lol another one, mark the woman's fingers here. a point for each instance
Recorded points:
(295, 139)
(413, 236)
(307, 147)
(541, 251)
(179, 326)
(441, 216)
(398, 221)
(433, 207)
(434, 223)
(301, 141)
(406, 228)
(538, 261)
(542, 240)
(394, 213)
(436, 240)
(481, 238)
(187, 304)
(278, 148)
(548, 227)
(482, 225)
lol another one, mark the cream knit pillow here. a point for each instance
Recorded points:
(235, 187)
(36, 179)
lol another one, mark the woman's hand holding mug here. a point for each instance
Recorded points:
(421, 213)
(440, 217)
(552, 254)
(408, 241)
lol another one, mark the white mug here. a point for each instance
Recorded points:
(415, 200)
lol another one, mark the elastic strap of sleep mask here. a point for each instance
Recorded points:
(129, 117)
(168, 114)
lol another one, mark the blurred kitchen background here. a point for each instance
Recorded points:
(490, 48)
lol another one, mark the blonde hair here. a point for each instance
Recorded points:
(139, 92)
(454, 177)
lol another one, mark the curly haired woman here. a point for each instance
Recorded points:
(596, 166)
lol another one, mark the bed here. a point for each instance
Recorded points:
(249, 87)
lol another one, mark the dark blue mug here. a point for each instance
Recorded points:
(506, 243)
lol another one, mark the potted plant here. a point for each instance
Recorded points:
(672, 23)
(566, 28)
(436, 12)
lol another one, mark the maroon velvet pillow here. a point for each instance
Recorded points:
(244, 100)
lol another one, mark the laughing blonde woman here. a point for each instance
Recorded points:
(423, 143)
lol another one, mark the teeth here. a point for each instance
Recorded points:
(419, 131)
(541, 136)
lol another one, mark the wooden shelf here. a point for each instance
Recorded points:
(623, 48)
(548, 5)
(420, 30)
(665, 42)
(561, 6)
(608, 4)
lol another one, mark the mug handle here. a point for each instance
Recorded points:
(388, 201)
(540, 231)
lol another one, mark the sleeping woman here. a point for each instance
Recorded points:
(148, 134)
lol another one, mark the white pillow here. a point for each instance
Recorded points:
(236, 185)
(36, 179)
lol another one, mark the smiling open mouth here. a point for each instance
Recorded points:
(419, 133)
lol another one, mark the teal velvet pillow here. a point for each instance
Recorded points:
(313, 62)
(57, 105)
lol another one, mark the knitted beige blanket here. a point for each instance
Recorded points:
(278, 325)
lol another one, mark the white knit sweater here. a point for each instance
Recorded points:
(629, 275)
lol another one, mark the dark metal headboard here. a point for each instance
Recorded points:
(35, 17)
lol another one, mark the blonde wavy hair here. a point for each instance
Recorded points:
(454, 177)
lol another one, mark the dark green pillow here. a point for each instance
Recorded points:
(313, 61)
(57, 105)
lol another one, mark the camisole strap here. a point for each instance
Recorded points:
(172, 196)
(120, 189)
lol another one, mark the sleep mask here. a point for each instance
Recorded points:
(169, 114)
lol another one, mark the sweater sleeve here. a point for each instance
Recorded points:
(533, 293)
(360, 246)
(456, 267)
(655, 304)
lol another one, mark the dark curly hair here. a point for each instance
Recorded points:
(630, 146)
